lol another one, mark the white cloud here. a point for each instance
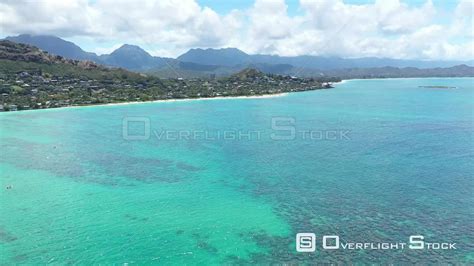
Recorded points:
(67, 18)
(396, 17)
(388, 28)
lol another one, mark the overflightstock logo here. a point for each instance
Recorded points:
(305, 242)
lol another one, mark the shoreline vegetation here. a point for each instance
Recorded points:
(271, 92)
(264, 96)
(32, 79)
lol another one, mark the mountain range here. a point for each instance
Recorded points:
(203, 62)
(31, 78)
(130, 57)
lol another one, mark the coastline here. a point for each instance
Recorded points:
(342, 81)
(263, 96)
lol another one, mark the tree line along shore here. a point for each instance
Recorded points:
(33, 79)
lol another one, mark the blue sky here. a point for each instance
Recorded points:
(417, 29)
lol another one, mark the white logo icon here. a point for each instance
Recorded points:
(142, 122)
(305, 242)
(328, 246)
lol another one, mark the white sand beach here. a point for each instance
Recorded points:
(265, 96)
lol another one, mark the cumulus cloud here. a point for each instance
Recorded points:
(65, 18)
(388, 28)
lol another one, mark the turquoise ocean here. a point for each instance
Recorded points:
(232, 181)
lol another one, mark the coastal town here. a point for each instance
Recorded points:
(33, 79)
(35, 90)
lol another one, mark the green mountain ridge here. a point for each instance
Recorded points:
(34, 79)
(199, 62)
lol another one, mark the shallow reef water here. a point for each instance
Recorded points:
(369, 161)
